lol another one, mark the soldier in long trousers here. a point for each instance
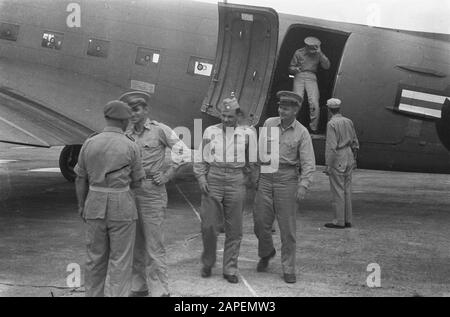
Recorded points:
(222, 172)
(281, 186)
(150, 273)
(108, 165)
(340, 156)
(304, 66)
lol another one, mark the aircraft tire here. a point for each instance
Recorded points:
(67, 161)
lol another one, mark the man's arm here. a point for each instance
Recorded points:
(307, 160)
(201, 165)
(180, 153)
(294, 65)
(137, 170)
(324, 61)
(330, 146)
(82, 189)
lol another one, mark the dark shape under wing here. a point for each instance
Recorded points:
(443, 125)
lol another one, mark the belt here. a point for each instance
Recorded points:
(226, 169)
(109, 190)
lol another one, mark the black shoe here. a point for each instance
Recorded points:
(333, 226)
(231, 278)
(264, 262)
(206, 271)
(165, 295)
(273, 230)
(348, 225)
(290, 278)
(138, 294)
(221, 229)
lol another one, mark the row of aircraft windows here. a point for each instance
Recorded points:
(96, 47)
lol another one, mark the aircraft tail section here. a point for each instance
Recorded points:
(25, 121)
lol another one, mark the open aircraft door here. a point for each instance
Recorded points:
(245, 58)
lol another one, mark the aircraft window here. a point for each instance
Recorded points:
(200, 66)
(98, 48)
(52, 40)
(9, 31)
(147, 57)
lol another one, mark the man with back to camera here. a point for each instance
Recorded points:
(108, 165)
(340, 157)
(304, 66)
(282, 187)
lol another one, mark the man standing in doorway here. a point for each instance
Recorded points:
(340, 158)
(281, 189)
(304, 66)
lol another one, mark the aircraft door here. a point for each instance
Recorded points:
(245, 58)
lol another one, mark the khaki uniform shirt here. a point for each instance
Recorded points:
(110, 160)
(308, 62)
(153, 141)
(294, 148)
(233, 148)
(340, 144)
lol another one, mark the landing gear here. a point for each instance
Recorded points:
(67, 161)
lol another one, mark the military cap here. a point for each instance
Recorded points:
(117, 110)
(312, 41)
(333, 103)
(133, 98)
(290, 98)
(230, 104)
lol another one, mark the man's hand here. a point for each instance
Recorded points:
(81, 212)
(301, 193)
(160, 178)
(204, 187)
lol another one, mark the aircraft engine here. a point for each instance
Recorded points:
(443, 125)
(67, 161)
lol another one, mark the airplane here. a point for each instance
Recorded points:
(61, 61)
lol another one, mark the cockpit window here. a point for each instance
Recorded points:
(98, 48)
(52, 40)
(147, 57)
(9, 31)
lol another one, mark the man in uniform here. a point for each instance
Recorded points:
(149, 265)
(279, 190)
(304, 66)
(222, 171)
(108, 164)
(340, 158)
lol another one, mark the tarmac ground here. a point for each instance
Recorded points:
(401, 226)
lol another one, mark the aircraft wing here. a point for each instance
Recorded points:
(29, 122)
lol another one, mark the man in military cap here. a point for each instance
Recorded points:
(150, 273)
(304, 66)
(223, 168)
(340, 158)
(280, 188)
(108, 165)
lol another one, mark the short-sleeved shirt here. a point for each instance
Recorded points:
(294, 148)
(153, 141)
(110, 160)
(341, 142)
(229, 148)
(308, 62)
